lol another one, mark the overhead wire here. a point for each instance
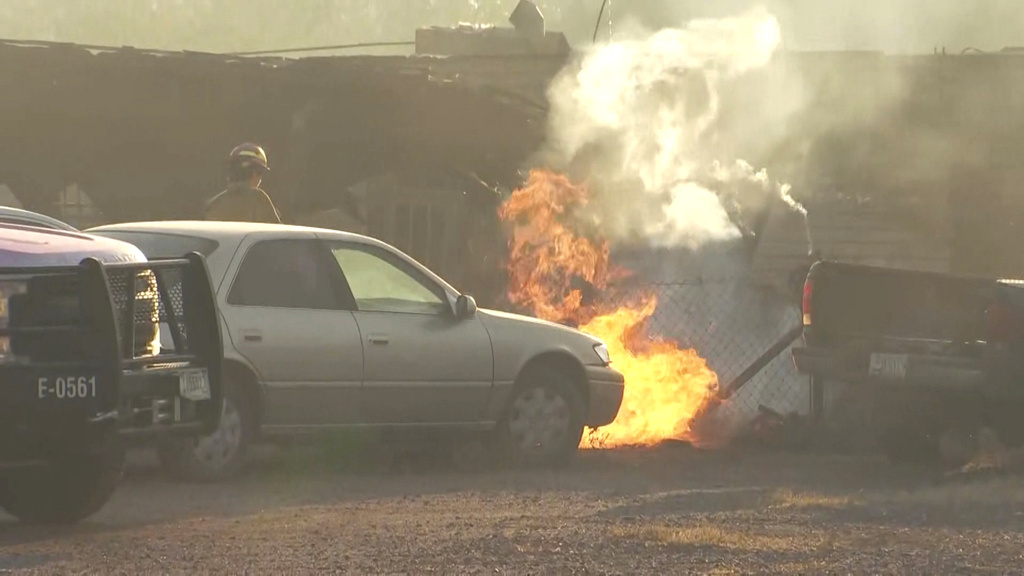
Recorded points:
(108, 48)
(321, 48)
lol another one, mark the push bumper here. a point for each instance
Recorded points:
(153, 403)
(606, 388)
(47, 411)
(73, 371)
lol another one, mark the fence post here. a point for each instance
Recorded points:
(817, 398)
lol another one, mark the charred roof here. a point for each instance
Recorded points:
(133, 126)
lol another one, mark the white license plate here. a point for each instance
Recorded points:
(194, 384)
(888, 366)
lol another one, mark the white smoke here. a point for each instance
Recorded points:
(637, 117)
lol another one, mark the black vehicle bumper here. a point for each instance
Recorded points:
(152, 402)
(606, 389)
(47, 411)
(920, 369)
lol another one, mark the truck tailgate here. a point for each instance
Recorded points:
(865, 303)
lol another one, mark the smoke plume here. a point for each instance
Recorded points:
(637, 119)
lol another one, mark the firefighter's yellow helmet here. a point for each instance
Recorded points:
(248, 155)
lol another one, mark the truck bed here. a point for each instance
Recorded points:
(939, 356)
(854, 302)
(884, 324)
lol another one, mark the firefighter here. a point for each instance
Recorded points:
(244, 200)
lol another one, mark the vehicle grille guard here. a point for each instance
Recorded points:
(102, 330)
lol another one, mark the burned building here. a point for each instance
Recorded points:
(410, 149)
(905, 161)
(416, 150)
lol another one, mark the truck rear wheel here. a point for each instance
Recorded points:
(65, 491)
(909, 445)
(949, 448)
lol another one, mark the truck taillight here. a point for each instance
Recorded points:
(806, 301)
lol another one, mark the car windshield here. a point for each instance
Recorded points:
(162, 245)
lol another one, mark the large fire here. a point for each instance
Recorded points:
(562, 276)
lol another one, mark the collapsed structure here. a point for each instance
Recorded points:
(417, 149)
(409, 149)
(907, 161)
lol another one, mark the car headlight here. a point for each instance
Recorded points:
(602, 353)
(8, 288)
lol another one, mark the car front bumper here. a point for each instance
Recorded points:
(606, 388)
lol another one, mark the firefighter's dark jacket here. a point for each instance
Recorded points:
(242, 203)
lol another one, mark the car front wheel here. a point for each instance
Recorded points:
(218, 455)
(543, 423)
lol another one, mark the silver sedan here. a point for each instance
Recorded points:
(326, 330)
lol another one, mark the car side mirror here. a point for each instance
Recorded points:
(465, 306)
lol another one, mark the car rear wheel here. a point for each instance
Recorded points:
(65, 491)
(543, 423)
(218, 455)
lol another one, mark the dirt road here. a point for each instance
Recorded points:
(665, 511)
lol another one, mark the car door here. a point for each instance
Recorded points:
(284, 315)
(421, 364)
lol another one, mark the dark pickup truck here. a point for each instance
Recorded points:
(81, 370)
(942, 355)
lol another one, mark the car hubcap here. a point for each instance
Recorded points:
(218, 448)
(539, 420)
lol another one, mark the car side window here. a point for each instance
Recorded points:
(381, 282)
(283, 274)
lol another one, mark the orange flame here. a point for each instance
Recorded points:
(550, 269)
(545, 255)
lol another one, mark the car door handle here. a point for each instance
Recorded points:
(379, 339)
(252, 336)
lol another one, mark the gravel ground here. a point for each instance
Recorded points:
(670, 510)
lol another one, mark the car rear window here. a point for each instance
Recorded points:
(162, 245)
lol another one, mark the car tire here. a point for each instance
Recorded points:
(67, 490)
(543, 423)
(216, 456)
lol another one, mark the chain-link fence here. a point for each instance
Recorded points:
(744, 331)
